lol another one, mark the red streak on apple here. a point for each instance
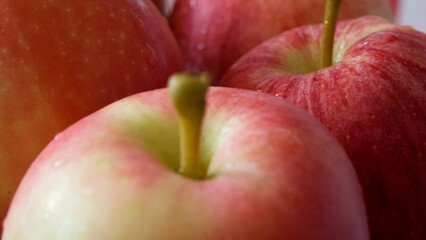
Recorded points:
(61, 60)
(373, 99)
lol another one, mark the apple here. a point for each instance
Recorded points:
(61, 60)
(373, 100)
(214, 34)
(255, 167)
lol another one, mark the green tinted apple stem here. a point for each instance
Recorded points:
(330, 21)
(188, 92)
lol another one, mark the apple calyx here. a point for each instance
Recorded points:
(187, 92)
(327, 41)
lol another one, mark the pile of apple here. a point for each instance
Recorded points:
(284, 129)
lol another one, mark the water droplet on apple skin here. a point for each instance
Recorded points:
(57, 137)
(57, 164)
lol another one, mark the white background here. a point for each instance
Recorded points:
(413, 13)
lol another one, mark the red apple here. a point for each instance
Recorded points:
(271, 172)
(373, 99)
(61, 60)
(214, 34)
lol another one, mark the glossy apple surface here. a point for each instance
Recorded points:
(214, 34)
(61, 60)
(275, 173)
(373, 99)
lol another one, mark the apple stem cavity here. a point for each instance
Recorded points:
(330, 21)
(188, 92)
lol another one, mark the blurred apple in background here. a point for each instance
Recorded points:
(214, 34)
(61, 60)
(254, 168)
(373, 99)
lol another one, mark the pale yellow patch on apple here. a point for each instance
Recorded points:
(348, 37)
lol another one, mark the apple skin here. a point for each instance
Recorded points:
(372, 100)
(275, 173)
(214, 34)
(61, 60)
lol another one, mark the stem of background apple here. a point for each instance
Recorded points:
(188, 93)
(330, 21)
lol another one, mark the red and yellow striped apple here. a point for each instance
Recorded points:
(373, 99)
(257, 168)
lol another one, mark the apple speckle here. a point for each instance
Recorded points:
(373, 116)
(200, 46)
(374, 147)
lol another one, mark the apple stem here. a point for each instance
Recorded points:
(330, 21)
(187, 92)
